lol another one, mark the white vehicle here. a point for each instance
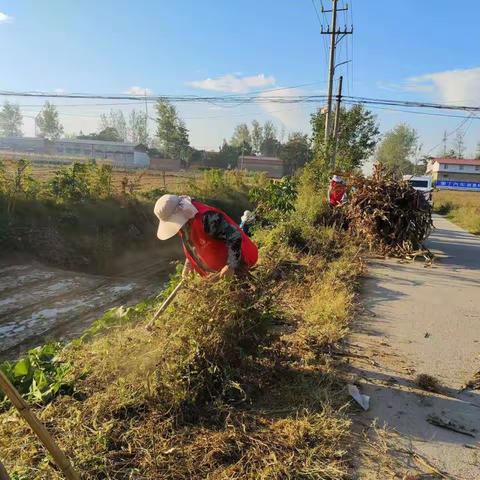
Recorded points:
(421, 183)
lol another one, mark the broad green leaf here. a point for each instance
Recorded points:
(22, 368)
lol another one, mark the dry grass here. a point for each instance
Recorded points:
(232, 384)
(428, 383)
(463, 208)
(147, 179)
(191, 180)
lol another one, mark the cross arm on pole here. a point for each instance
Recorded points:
(342, 63)
(338, 9)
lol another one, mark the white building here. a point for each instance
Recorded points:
(117, 153)
(454, 169)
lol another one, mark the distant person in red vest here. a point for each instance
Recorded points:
(212, 241)
(337, 191)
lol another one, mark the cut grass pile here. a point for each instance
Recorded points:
(389, 215)
(233, 382)
(462, 208)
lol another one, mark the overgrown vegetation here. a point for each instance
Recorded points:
(77, 219)
(462, 208)
(274, 200)
(39, 375)
(233, 382)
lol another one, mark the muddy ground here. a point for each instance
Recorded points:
(40, 303)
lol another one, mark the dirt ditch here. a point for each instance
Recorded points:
(40, 303)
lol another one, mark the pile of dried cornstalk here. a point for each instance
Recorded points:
(392, 217)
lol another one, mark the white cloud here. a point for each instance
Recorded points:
(449, 86)
(452, 86)
(4, 18)
(233, 83)
(293, 115)
(408, 86)
(60, 91)
(138, 91)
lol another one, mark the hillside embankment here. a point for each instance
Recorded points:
(237, 379)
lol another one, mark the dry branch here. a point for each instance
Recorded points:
(390, 215)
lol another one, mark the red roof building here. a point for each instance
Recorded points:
(272, 166)
(447, 170)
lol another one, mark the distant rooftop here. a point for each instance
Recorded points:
(73, 140)
(260, 157)
(95, 142)
(457, 161)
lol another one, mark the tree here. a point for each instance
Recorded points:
(450, 154)
(397, 147)
(72, 135)
(172, 135)
(137, 128)
(48, 122)
(296, 152)
(459, 144)
(357, 137)
(257, 137)
(228, 155)
(115, 119)
(270, 145)
(11, 120)
(242, 140)
(108, 134)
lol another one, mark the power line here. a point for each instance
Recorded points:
(353, 46)
(336, 35)
(446, 135)
(375, 107)
(347, 56)
(320, 24)
(256, 99)
(230, 115)
(407, 103)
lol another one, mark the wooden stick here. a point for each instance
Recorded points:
(3, 472)
(166, 303)
(39, 429)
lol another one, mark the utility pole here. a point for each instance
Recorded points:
(333, 32)
(146, 115)
(337, 120)
(444, 144)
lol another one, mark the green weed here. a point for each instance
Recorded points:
(39, 375)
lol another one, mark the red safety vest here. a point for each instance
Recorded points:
(337, 191)
(210, 255)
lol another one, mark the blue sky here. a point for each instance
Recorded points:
(414, 50)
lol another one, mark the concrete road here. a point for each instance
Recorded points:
(425, 320)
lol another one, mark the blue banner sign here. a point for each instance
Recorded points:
(458, 185)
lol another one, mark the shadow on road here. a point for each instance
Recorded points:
(458, 249)
(398, 403)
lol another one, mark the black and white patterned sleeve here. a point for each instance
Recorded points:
(215, 225)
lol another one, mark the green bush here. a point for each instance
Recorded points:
(81, 181)
(275, 200)
(39, 375)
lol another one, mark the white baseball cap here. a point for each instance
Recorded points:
(337, 179)
(171, 217)
(247, 215)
